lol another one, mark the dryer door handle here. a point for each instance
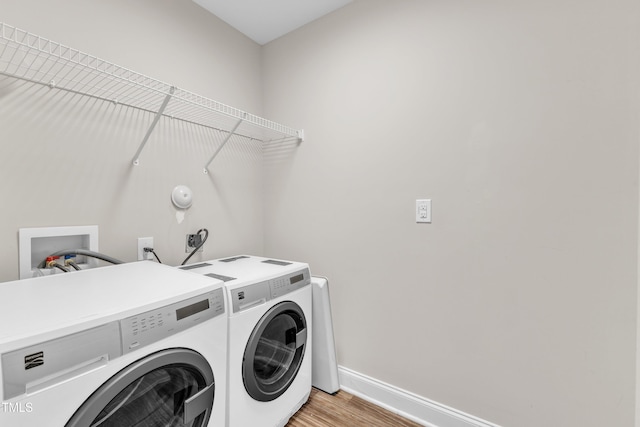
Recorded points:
(198, 403)
(301, 338)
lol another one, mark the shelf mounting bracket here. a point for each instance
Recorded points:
(136, 157)
(233, 131)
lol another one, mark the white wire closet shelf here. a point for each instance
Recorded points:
(32, 58)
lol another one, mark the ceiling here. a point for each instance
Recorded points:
(266, 20)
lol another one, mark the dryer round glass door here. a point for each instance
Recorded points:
(275, 351)
(172, 387)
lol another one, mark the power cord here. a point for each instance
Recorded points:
(203, 239)
(154, 254)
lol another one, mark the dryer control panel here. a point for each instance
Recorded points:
(154, 325)
(289, 283)
(258, 293)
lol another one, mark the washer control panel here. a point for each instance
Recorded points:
(154, 325)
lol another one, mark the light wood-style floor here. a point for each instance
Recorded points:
(344, 410)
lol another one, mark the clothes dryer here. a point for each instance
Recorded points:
(270, 323)
(137, 344)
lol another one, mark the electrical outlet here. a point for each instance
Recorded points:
(144, 242)
(193, 240)
(423, 210)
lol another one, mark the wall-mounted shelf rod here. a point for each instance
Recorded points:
(206, 166)
(136, 157)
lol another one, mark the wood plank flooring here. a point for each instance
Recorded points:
(344, 410)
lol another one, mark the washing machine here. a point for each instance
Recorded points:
(135, 345)
(270, 323)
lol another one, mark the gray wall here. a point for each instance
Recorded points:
(67, 160)
(517, 304)
(520, 120)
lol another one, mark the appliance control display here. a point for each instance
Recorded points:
(296, 279)
(192, 309)
(253, 295)
(153, 325)
(289, 283)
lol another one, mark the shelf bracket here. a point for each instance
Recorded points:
(136, 160)
(233, 131)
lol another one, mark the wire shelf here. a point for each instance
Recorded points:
(32, 58)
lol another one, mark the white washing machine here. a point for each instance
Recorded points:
(137, 344)
(270, 323)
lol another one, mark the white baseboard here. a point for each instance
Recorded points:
(416, 408)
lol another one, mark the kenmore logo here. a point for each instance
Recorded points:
(33, 360)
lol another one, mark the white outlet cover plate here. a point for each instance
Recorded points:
(423, 210)
(144, 242)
